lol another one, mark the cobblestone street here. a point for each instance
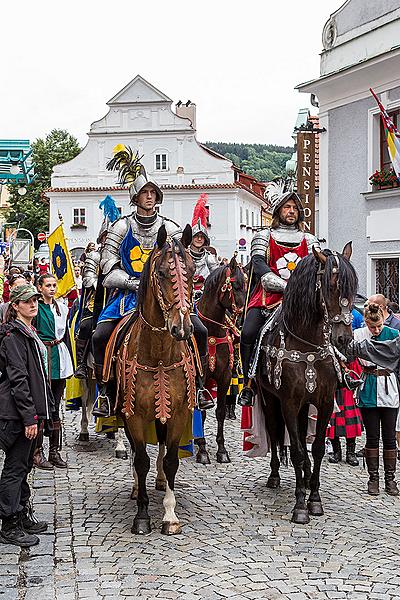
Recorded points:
(237, 541)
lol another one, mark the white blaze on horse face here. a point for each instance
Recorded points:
(169, 503)
(182, 313)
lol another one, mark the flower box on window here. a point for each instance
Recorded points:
(78, 226)
(385, 178)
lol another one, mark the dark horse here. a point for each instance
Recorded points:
(297, 367)
(224, 291)
(156, 371)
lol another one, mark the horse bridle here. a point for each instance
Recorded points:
(180, 289)
(227, 287)
(344, 316)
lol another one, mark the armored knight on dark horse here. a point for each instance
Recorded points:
(128, 244)
(275, 253)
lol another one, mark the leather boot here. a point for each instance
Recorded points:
(28, 521)
(81, 371)
(55, 446)
(12, 533)
(336, 457)
(204, 398)
(102, 407)
(246, 396)
(351, 457)
(372, 460)
(39, 459)
(389, 464)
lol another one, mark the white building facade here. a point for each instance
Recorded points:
(361, 50)
(141, 116)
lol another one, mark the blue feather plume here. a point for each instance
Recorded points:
(110, 210)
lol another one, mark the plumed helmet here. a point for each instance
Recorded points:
(280, 191)
(200, 218)
(131, 172)
(111, 214)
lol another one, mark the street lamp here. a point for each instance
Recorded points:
(22, 191)
(14, 169)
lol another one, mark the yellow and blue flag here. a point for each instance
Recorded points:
(60, 262)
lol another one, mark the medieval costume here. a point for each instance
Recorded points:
(275, 253)
(347, 421)
(52, 328)
(379, 404)
(204, 260)
(90, 274)
(128, 244)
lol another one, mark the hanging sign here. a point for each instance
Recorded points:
(306, 177)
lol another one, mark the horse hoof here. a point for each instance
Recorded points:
(203, 458)
(315, 508)
(110, 435)
(141, 526)
(273, 482)
(300, 515)
(121, 454)
(83, 437)
(161, 485)
(168, 528)
(223, 457)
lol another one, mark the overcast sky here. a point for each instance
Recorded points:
(237, 60)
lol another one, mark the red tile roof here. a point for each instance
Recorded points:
(166, 186)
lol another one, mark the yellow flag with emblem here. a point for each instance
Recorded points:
(61, 262)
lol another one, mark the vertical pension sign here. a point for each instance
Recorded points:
(306, 177)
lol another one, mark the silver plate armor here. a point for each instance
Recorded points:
(205, 262)
(115, 276)
(90, 271)
(289, 235)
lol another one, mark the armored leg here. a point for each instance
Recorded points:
(253, 322)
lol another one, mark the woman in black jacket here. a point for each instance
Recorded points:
(25, 401)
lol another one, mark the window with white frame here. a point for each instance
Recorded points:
(161, 161)
(79, 216)
(386, 276)
(241, 214)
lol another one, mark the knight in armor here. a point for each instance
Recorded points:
(275, 253)
(90, 276)
(204, 259)
(129, 242)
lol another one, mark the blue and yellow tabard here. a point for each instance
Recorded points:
(133, 258)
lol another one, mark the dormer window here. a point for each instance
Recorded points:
(161, 162)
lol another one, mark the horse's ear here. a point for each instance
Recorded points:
(161, 237)
(187, 236)
(320, 256)
(348, 250)
(233, 263)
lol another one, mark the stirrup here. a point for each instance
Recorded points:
(246, 397)
(204, 399)
(102, 407)
(81, 372)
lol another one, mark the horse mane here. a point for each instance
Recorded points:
(145, 276)
(214, 279)
(301, 307)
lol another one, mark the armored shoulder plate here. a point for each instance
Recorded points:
(173, 229)
(212, 262)
(312, 240)
(91, 269)
(115, 235)
(260, 242)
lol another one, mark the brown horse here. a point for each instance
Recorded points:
(156, 372)
(224, 291)
(297, 367)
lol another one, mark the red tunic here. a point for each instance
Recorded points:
(282, 260)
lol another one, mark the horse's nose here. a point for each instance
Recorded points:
(174, 330)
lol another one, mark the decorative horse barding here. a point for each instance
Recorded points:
(156, 371)
(298, 366)
(224, 291)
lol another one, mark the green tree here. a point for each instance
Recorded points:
(57, 147)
